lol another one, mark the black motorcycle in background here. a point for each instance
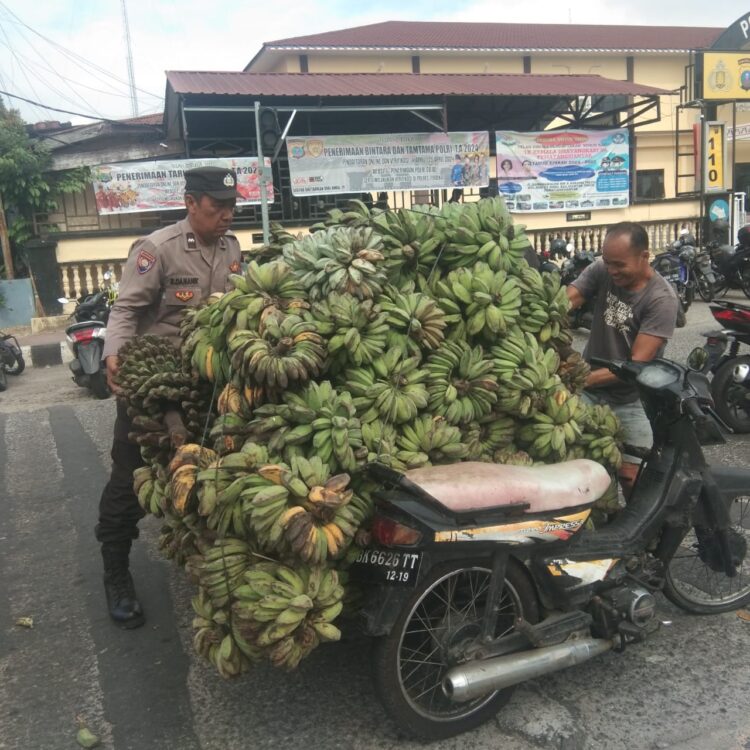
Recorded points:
(86, 337)
(11, 358)
(688, 271)
(720, 356)
(731, 264)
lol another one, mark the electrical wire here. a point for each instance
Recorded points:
(73, 56)
(81, 114)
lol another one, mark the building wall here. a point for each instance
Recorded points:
(350, 63)
(471, 64)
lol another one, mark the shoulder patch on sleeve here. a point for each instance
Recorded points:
(145, 261)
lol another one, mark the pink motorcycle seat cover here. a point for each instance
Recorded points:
(473, 485)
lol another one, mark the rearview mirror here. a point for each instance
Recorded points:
(698, 359)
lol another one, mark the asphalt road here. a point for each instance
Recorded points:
(685, 689)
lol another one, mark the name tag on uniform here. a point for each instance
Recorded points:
(182, 281)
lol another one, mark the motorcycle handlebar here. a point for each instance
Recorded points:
(693, 409)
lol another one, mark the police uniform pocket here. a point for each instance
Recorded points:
(182, 296)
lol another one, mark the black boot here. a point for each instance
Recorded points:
(124, 607)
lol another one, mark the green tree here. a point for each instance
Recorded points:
(27, 186)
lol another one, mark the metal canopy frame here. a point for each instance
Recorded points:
(580, 114)
(574, 110)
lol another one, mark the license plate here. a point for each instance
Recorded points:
(387, 566)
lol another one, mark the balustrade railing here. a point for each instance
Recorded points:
(85, 277)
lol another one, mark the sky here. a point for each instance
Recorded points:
(71, 54)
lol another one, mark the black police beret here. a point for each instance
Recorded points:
(218, 182)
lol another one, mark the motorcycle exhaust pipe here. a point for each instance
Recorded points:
(477, 678)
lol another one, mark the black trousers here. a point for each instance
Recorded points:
(119, 511)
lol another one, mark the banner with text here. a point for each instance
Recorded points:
(369, 163)
(563, 170)
(159, 185)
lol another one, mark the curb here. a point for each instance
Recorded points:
(46, 355)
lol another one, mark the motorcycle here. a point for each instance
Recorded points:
(572, 267)
(730, 384)
(11, 359)
(86, 337)
(480, 577)
(687, 270)
(732, 264)
(558, 249)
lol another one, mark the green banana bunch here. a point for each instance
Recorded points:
(380, 440)
(526, 374)
(545, 304)
(357, 215)
(550, 433)
(279, 237)
(220, 568)
(342, 260)
(573, 372)
(478, 301)
(319, 419)
(602, 436)
(487, 435)
(429, 440)
(286, 613)
(286, 350)
(512, 456)
(460, 383)
(356, 329)
(415, 321)
(392, 388)
(411, 241)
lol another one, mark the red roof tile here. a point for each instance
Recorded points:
(398, 84)
(426, 35)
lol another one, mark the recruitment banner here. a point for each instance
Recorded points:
(563, 170)
(159, 185)
(406, 161)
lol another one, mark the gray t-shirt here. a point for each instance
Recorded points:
(619, 316)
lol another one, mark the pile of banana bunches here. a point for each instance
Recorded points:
(406, 337)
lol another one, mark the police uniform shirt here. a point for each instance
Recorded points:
(164, 274)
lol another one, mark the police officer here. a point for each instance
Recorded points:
(170, 270)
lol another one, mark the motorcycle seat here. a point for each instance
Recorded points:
(472, 486)
(85, 324)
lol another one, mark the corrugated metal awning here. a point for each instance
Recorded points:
(319, 85)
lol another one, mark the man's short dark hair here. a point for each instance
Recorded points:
(635, 231)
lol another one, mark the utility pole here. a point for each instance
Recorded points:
(5, 243)
(129, 52)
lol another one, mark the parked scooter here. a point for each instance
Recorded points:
(86, 337)
(11, 359)
(482, 576)
(730, 386)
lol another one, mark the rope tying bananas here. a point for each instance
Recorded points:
(410, 338)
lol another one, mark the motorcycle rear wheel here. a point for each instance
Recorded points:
(445, 611)
(19, 367)
(693, 585)
(729, 397)
(706, 288)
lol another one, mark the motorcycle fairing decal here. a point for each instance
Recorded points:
(587, 571)
(526, 532)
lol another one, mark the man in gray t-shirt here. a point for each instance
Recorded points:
(634, 316)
